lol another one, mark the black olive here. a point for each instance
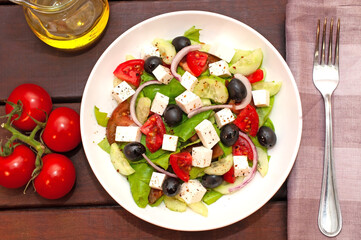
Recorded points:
(236, 90)
(133, 151)
(152, 63)
(180, 42)
(266, 137)
(172, 115)
(171, 186)
(229, 134)
(211, 181)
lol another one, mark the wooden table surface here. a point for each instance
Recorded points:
(88, 212)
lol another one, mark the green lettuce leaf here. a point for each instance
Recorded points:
(263, 112)
(211, 197)
(186, 129)
(193, 34)
(104, 144)
(101, 117)
(139, 183)
(172, 90)
(145, 77)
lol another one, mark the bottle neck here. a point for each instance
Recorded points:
(45, 8)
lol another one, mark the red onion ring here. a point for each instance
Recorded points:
(212, 107)
(159, 169)
(178, 57)
(250, 176)
(134, 99)
(248, 86)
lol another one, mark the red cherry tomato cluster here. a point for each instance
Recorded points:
(29, 109)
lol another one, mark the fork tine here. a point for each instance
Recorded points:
(323, 42)
(317, 57)
(329, 54)
(337, 42)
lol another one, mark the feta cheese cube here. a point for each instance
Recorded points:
(201, 157)
(159, 103)
(223, 52)
(127, 134)
(261, 98)
(156, 181)
(207, 134)
(224, 117)
(188, 101)
(169, 142)
(122, 92)
(163, 74)
(219, 69)
(188, 81)
(241, 167)
(192, 191)
(148, 51)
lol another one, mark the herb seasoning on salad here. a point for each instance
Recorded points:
(192, 122)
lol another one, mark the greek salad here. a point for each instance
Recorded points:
(192, 121)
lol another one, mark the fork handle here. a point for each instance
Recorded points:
(329, 215)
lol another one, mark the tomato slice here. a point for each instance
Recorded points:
(181, 164)
(130, 71)
(242, 148)
(256, 76)
(247, 120)
(154, 129)
(229, 176)
(197, 62)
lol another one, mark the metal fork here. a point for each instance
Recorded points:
(326, 78)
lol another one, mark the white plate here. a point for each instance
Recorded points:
(286, 116)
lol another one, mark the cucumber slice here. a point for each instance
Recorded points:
(206, 102)
(211, 87)
(238, 55)
(143, 108)
(248, 64)
(225, 186)
(166, 50)
(174, 204)
(119, 161)
(262, 165)
(221, 166)
(199, 207)
(272, 87)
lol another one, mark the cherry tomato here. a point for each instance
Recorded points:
(120, 117)
(154, 129)
(62, 131)
(181, 164)
(247, 120)
(57, 177)
(256, 76)
(16, 169)
(229, 176)
(130, 71)
(36, 102)
(242, 148)
(197, 62)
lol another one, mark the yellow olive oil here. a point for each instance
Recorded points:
(74, 28)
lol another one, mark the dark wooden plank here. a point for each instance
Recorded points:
(116, 223)
(87, 190)
(24, 58)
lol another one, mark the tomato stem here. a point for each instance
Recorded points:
(26, 139)
(35, 130)
(35, 173)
